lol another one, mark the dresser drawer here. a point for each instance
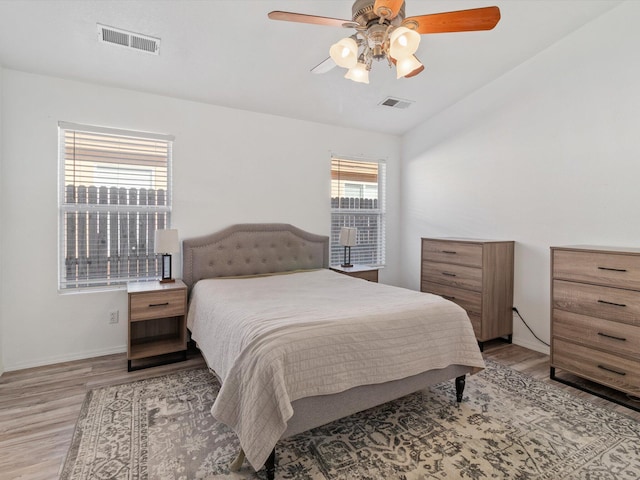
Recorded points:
(453, 275)
(614, 337)
(470, 301)
(476, 323)
(602, 302)
(157, 304)
(615, 270)
(616, 372)
(460, 253)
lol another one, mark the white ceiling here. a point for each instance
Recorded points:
(227, 52)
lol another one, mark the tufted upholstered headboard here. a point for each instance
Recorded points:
(252, 249)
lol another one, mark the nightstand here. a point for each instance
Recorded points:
(358, 271)
(157, 322)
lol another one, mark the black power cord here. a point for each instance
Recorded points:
(526, 325)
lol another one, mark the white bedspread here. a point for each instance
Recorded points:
(273, 340)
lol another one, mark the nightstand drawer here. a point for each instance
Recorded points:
(157, 304)
(460, 276)
(364, 272)
(460, 253)
(371, 275)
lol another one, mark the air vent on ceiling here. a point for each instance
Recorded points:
(123, 38)
(396, 102)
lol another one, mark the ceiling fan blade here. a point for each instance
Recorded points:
(303, 18)
(460, 21)
(324, 66)
(387, 8)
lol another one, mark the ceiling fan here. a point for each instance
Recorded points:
(383, 33)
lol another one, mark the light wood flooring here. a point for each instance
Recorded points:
(39, 406)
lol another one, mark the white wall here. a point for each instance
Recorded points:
(546, 155)
(230, 166)
(1, 223)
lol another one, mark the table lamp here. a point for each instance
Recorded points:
(348, 240)
(166, 243)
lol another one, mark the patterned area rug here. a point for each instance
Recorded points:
(509, 426)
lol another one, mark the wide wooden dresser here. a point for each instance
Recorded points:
(475, 274)
(595, 316)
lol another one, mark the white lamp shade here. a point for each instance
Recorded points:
(166, 241)
(403, 42)
(406, 66)
(348, 236)
(359, 73)
(345, 52)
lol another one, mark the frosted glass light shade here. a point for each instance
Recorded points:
(345, 53)
(403, 42)
(348, 236)
(359, 73)
(166, 241)
(407, 66)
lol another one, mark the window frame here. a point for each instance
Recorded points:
(161, 214)
(379, 212)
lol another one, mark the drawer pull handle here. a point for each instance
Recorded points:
(613, 269)
(448, 274)
(622, 339)
(612, 303)
(448, 297)
(449, 251)
(611, 370)
(159, 304)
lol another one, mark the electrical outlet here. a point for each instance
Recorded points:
(114, 316)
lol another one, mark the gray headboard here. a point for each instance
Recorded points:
(252, 249)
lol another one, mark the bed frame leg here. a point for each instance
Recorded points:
(460, 381)
(270, 465)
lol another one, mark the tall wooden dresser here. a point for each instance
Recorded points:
(475, 274)
(595, 315)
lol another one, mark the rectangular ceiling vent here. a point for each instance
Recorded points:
(123, 38)
(396, 103)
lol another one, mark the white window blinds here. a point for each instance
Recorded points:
(358, 200)
(115, 191)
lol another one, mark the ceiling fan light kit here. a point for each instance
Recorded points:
(408, 66)
(383, 32)
(359, 73)
(345, 52)
(403, 42)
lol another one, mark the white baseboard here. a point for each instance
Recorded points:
(65, 358)
(536, 346)
(532, 345)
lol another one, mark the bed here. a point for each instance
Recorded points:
(296, 345)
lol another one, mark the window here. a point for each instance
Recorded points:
(115, 191)
(358, 200)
